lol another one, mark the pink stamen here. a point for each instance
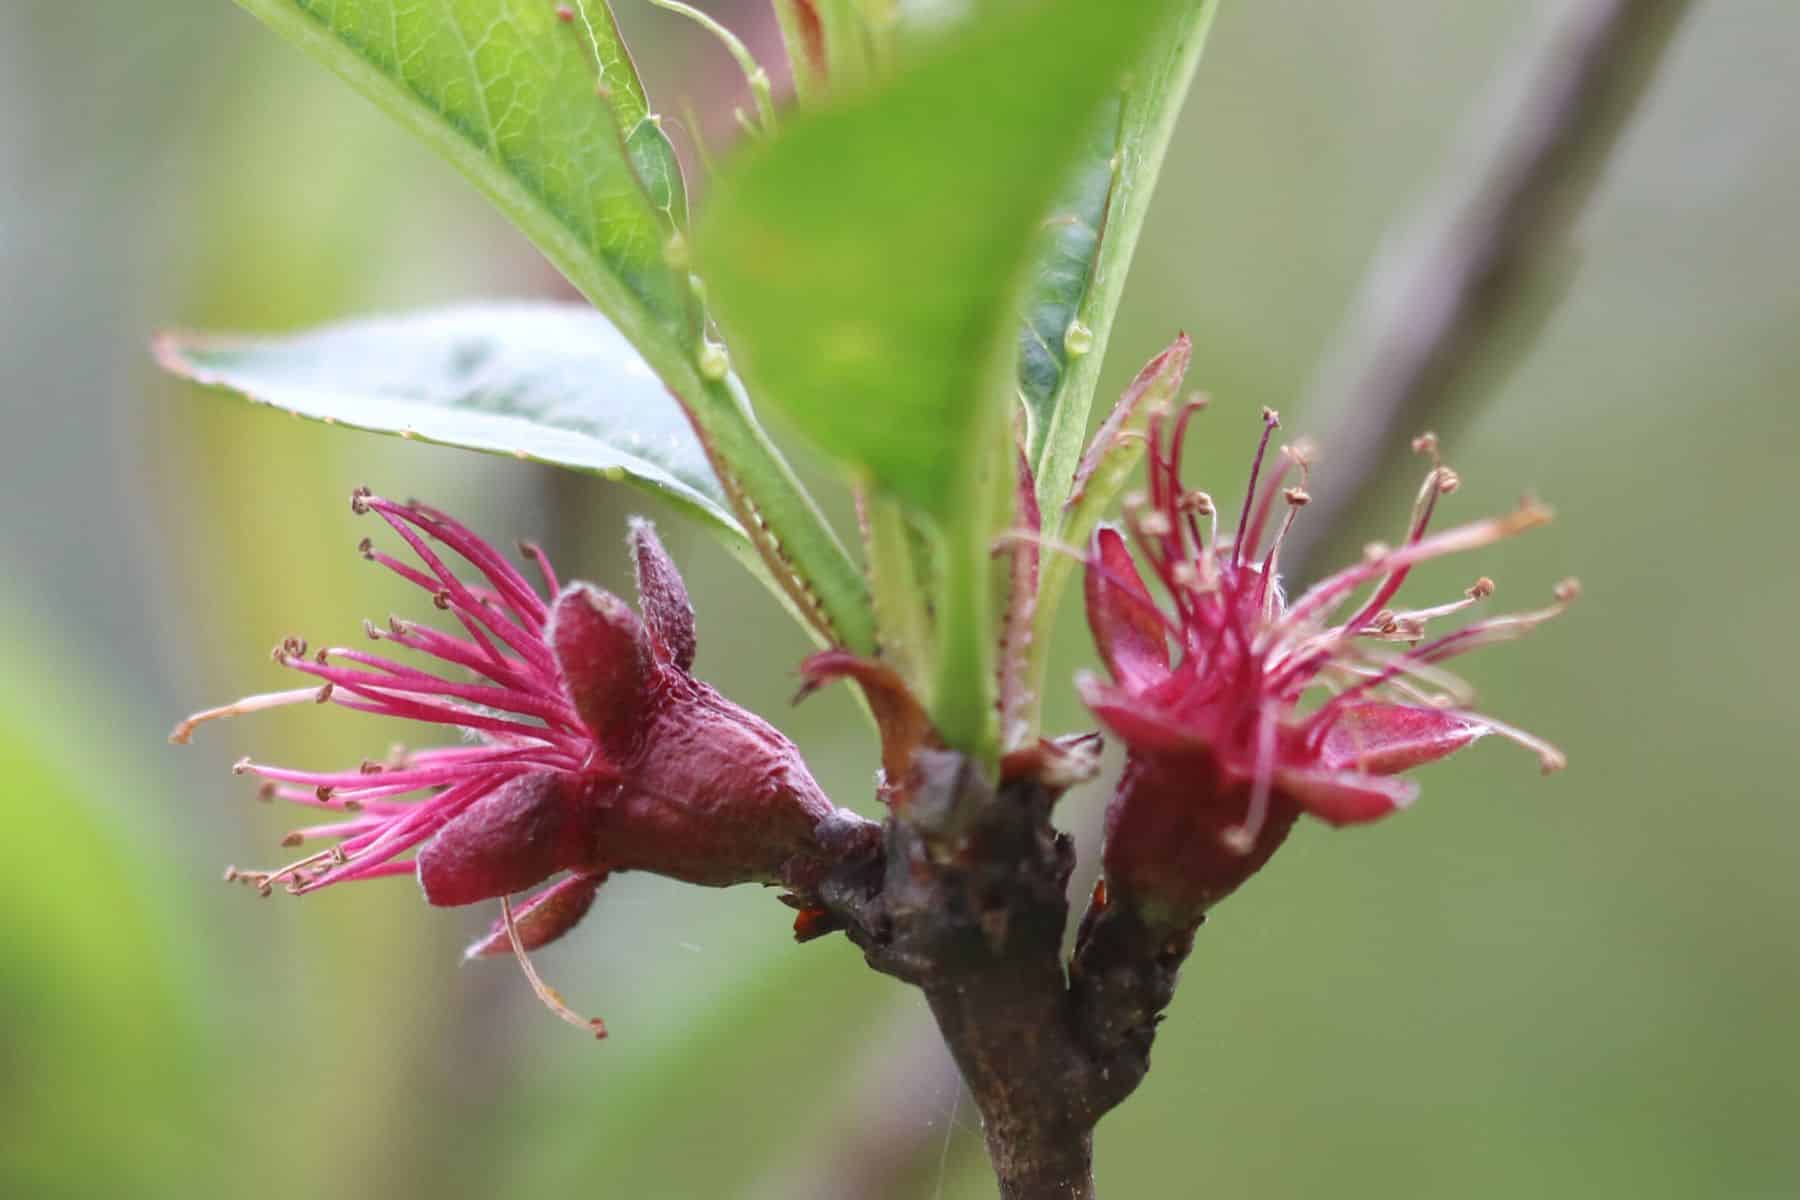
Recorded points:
(1271, 422)
(382, 704)
(1331, 590)
(481, 659)
(506, 579)
(393, 678)
(1423, 508)
(1241, 839)
(541, 560)
(460, 598)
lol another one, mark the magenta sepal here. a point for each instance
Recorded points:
(548, 914)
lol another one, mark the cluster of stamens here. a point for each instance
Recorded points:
(1269, 670)
(506, 699)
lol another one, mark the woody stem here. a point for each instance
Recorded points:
(967, 900)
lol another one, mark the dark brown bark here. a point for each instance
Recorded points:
(967, 900)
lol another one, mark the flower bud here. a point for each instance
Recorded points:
(1213, 691)
(585, 747)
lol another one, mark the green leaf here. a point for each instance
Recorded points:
(868, 265)
(868, 262)
(1112, 457)
(509, 94)
(550, 382)
(1152, 101)
(1053, 334)
(547, 116)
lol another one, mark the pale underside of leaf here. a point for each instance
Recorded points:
(554, 383)
(539, 105)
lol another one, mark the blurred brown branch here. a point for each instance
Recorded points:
(1445, 281)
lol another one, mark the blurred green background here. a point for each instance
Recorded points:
(1585, 985)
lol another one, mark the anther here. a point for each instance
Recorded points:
(370, 631)
(241, 766)
(1271, 418)
(324, 692)
(366, 548)
(1530, 505)
(1567, 591)
(266, 793)
(1198, 503)
(1300, 452)
(1481, 589)
(1297, 496)
(1374, 552)
(359, 501)
(1426, 443)
(441, 598)
(293, 839)
(231, 874)
(324, 793)
(1447, 481)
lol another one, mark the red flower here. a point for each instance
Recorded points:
(588, 747)
(1266, 708)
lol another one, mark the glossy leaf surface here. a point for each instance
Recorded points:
(551, 382)
(868, 263)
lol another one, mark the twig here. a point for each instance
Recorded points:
(967, 901)
(1444, 282)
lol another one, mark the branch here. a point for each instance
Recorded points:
(1443, 284)
(967, 903)
(967, 900)
(966, 896)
